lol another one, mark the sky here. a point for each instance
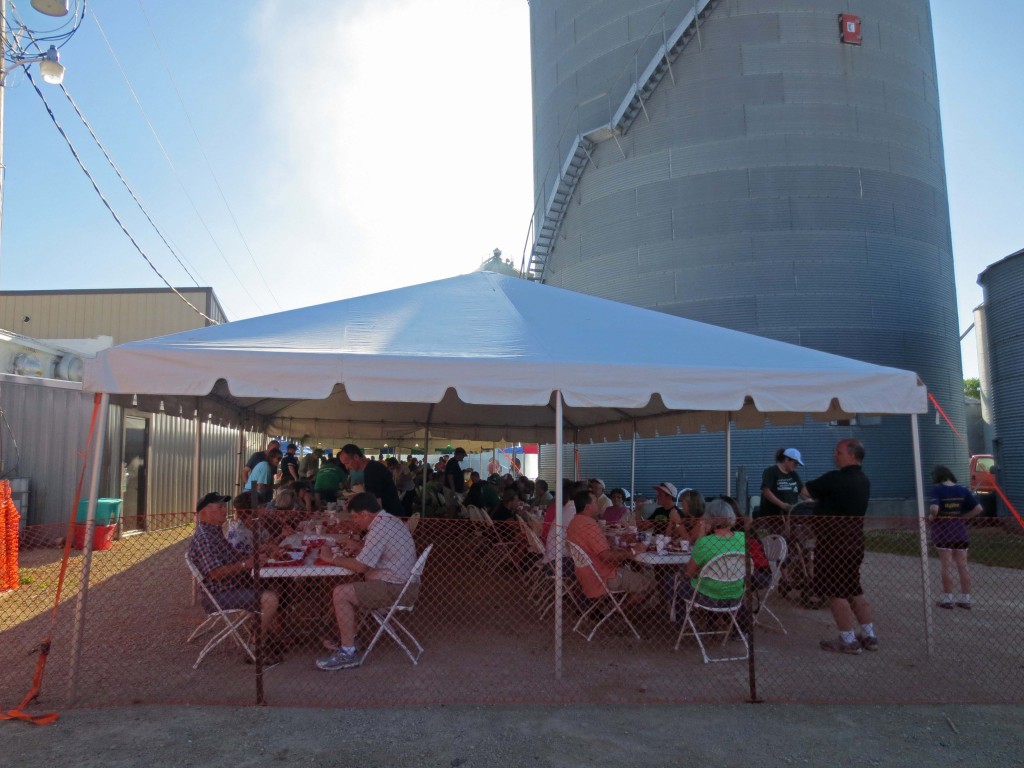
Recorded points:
(298, 153)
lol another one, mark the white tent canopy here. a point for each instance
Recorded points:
(385, 366)
(510, 359)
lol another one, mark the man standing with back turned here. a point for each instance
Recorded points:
(843, 497)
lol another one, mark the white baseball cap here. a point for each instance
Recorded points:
(794, 454)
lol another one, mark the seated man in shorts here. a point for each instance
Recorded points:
(385, 559)
(227, 572)
(585, 532)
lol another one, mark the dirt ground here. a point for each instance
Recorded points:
(485, 644)
(769, 735)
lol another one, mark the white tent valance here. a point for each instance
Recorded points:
(384, 366)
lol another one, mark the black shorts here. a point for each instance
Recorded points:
(837, 572)
(951, 545)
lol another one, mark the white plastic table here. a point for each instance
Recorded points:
(669, 558)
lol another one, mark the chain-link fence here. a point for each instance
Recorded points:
(484, 615)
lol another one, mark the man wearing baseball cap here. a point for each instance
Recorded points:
(227, 573)
(666, 494)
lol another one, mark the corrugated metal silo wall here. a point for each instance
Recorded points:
(698, 461)
(1004, 286)
(45, 424)
(784, 185)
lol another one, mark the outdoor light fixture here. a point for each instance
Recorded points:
(51, 7)
(50, 68)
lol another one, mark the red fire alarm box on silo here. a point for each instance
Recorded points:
(849, 29)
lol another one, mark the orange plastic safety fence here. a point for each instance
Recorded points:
(9, 519)
(483, 614)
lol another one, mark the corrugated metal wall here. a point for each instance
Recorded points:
(698, 461)
(1004, 286)
(171, 469)
(783, 184)
(49, 422)
(45, 425)
(220, 460)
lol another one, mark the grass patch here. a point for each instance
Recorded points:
(987, 547)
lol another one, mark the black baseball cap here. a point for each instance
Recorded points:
(211, 498)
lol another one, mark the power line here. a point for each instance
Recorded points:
(170, 163)
(124, 181)
(92, 181)
(202, 151)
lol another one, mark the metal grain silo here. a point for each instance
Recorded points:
(1003, 283)
(734, 162)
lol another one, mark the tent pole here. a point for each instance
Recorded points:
(78, 627)
(426, 456)
(922, 534)
(576, 454)
(632, 475)
(728, 454)
(196, 485)
(559, 535)
(197, 479)
(242, 458)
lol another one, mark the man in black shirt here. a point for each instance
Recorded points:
(377, 478)
(290, 464)
(842, 496)
(453, 477)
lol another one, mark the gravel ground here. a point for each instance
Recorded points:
(896, 737)
(486, 645)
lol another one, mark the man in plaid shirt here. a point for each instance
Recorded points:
(227, 573)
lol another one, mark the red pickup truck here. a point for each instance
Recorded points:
(982, 479)
(983, 483)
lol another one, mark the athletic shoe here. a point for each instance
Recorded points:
(837, 645)
(947, 604)
(965, 606)
(868, 643)
(340, 660)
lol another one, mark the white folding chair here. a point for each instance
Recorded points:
(542, 590)
(536, 577)
(775, 550)
(224, 623)
(615, 598)
(412, 522)
(501, 551)
(387, 621)
(726, 567)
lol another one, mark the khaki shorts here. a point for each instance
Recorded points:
(382, 594)
(633, 582)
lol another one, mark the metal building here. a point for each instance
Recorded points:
(737, 163)
(1003, 284)
(150, 459)
(126, 314)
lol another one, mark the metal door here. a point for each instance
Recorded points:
(134, 457)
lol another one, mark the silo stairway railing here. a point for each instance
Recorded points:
(631, 106)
